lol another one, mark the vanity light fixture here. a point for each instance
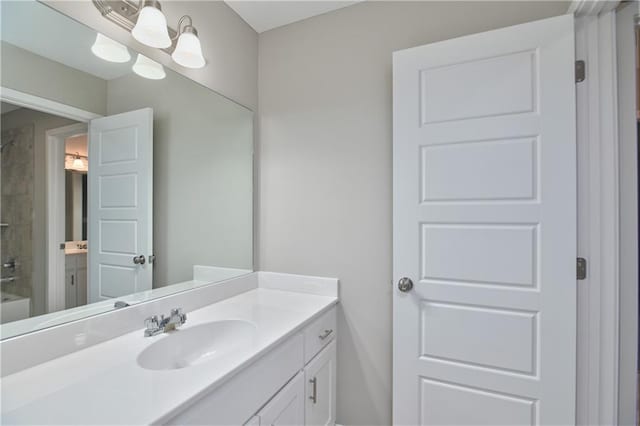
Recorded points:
(110, 50)
(151, 27)
(148, 68)
(75, 162)
(148, 25)
(188, 51)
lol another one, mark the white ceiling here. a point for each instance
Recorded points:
(41, 30)
(264, 15)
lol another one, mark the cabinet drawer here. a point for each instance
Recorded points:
(318, 334)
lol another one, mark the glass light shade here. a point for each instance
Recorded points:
(148, 68)
(151, 28)
(188, 51)
(110, 50)
(78, 163)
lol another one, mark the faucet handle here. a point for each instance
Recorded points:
(177, 312)
(151, 322)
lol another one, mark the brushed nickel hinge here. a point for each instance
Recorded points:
(581, 268)
(581, 71)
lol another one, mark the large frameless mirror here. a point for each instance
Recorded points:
(120, 180)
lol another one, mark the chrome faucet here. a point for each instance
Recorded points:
(155, 325)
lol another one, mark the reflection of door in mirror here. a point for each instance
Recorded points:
(76, 166)
(120, 204)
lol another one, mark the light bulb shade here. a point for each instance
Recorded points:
(110, 50)
(188, 52)
(148, 68)
(78, 164)
(151, 28)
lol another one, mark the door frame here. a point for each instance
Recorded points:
(54, 147)
(600, 225)
(626, 39)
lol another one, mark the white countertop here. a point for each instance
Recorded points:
(104, 384)
(72, 251)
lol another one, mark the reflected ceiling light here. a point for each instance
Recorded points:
(110, 50)
(151, 27)
(148, 68)
(188, 52)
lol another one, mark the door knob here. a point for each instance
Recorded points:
(139, 260)
(405, 284)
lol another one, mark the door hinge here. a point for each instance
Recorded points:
(581, 71)
(581, 270)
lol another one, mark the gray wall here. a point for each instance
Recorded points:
(203, 174)
(229, 44)
(25, 72)
(325, 165)
(41, 122)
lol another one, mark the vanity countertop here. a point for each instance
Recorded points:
(104, 383)
(72, 251)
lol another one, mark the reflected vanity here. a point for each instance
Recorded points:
(121, 180)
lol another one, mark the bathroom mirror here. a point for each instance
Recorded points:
(121, 180)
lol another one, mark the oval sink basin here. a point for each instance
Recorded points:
(198, 344)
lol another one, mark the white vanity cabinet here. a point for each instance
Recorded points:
(293, 385)
(75, 280)
(308, 399)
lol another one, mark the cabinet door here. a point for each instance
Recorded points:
(81, 286)
(70, 289)
(320, 378)
(287, 406)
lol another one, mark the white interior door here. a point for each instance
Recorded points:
(120, 204)
(485, 227)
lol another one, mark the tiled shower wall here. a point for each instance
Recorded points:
(16, 207)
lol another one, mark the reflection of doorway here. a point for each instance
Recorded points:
(76, 167)
(67, 166)
(117, 218)
(52, 270)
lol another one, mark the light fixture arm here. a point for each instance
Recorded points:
(143, 3)
(186, 28)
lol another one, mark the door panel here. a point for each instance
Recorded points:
(120, 204)
(485, 227)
